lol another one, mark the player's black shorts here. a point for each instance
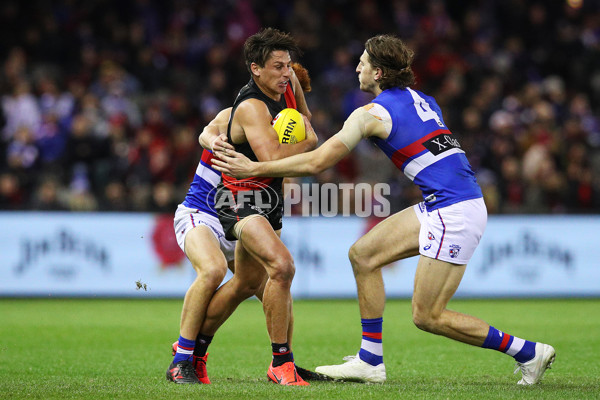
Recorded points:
(233, 207)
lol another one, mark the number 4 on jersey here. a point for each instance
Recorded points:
(424, 110)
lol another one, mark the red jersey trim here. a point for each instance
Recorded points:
(401, 155)
(240, 185)
(207, 157)
(290, 99)
(255, 183)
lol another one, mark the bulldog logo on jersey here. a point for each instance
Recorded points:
(454, 250)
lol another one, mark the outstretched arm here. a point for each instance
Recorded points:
(359, 125)
(311, 163)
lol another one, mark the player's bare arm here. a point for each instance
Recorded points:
(359, 125)
(215, 133)
(252, 123)
(237, 165)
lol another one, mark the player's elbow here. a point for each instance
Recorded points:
(202, 139)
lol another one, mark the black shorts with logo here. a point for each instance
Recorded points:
(233, 207)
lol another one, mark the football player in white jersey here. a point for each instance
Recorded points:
(444, 229)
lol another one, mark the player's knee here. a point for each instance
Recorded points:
(425, 320)
(242, 289)
(282, 269)
(360, 262)
(212, 276)
(247, 289)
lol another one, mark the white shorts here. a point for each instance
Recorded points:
(451, 233)
(187, 219)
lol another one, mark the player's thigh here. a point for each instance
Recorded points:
(394, 238)
(248, 270)
(436, 282)
(260, 240)
(204, 251)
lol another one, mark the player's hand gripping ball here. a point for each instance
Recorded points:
(289, 126)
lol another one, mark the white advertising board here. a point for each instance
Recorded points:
(136, 255)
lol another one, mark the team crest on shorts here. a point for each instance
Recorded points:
(430, 236)
(454, 250)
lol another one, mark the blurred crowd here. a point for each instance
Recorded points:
(103, 100)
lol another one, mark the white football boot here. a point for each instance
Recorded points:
(354, 369)
(534, 369)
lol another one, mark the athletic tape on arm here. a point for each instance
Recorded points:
(360, 123)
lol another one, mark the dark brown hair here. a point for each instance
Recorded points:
(258, 47)
(391, 55)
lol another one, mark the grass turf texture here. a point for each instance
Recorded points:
(120, 349)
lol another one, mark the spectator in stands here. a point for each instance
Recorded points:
(126, 83)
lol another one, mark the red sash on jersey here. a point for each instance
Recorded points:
(290, 99)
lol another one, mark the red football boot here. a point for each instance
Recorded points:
(285, 374)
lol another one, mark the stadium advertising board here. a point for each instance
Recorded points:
(136, 255)
(85, 254)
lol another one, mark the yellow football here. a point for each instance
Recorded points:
(289, 126)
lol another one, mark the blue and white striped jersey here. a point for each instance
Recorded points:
(423, 148)
(201, 194)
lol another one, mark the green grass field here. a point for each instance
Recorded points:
(120, 349)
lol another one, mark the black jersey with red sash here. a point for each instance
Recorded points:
(252, 91)
(236, 199)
